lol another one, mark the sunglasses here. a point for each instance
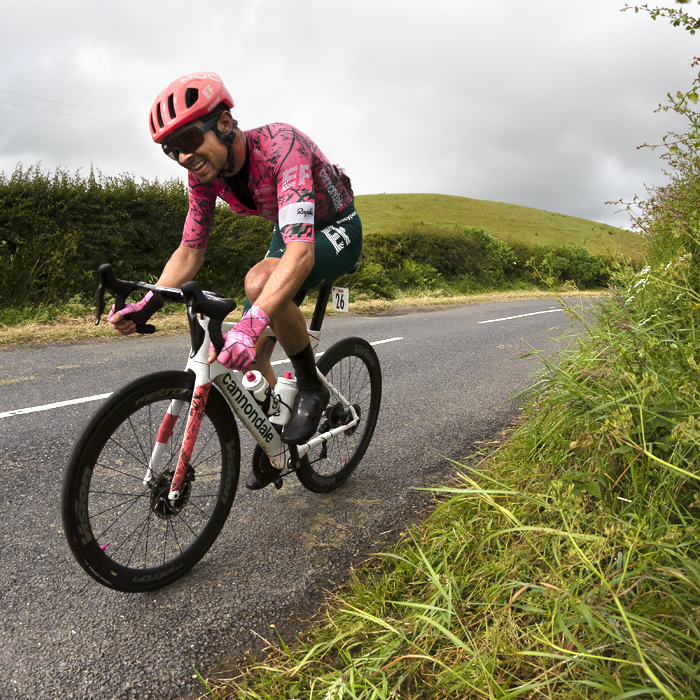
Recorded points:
(188, 140)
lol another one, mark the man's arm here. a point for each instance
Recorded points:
(183, 265)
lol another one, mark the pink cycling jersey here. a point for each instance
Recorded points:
(291, 182)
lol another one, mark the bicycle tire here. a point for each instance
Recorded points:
(352, 366)
(121, 532)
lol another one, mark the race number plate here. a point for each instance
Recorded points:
(341, 299)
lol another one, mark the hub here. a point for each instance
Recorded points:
(160, 503)
(336, 416)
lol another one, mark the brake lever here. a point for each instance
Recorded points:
(100, 301)
(122, 290)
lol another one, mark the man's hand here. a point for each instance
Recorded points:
(239, 342)
(138, 313)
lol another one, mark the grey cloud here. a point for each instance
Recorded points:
(541, 104)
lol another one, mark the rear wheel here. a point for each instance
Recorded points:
(127, 535)
(352, 367)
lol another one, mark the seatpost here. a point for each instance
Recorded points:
(324, 294)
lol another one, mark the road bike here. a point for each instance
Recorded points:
(151, 480)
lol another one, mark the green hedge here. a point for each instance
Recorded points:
(57, 228)
(424, 257)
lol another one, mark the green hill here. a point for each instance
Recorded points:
(509, 222)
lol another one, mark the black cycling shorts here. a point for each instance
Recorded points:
(337, 248)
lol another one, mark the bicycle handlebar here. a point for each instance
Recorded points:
(210, 304)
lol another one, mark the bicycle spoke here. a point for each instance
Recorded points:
(146, 459)
(187, 525)
(117, 471)
(177, 542)
(131, 454)
(115, 493)
(116, 505)
(201, 447)
(198, 508)
(145, 550)
(114, 522)
(136, 544)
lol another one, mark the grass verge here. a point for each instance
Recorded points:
(565, 566)
(78, 322)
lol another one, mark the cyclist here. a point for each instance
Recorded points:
(276, 172)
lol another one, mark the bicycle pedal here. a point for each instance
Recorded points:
(278, 483)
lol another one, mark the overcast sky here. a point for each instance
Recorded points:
(540, 103)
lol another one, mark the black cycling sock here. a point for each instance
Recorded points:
(304, 364)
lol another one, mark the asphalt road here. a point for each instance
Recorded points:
(450, 382)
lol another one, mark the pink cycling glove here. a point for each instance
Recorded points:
(141, 311)
(239, 342)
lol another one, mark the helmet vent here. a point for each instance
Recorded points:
(171, 107)
(159, 117)
(153, 126)
(191, 96)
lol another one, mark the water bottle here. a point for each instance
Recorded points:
(259, 387)
(285, 390)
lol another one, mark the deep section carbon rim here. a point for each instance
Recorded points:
(125, 533)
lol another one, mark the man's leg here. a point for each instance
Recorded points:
(263, 352)
(289, 327)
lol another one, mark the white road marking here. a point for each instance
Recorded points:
(318, 354)
(98, 397)
(49, 406)
(388, 340)
(534, 313)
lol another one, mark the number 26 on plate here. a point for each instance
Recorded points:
(341, 299)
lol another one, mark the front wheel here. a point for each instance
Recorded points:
(130, 536)
(352, 367)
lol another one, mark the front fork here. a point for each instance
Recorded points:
(194, 420)
(202, 386)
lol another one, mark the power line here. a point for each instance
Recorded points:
(65, 104)
(65, 114)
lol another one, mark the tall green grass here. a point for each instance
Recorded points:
(567, 565)
(564, 567)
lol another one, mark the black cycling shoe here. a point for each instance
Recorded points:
(306, 415)
(262, 473)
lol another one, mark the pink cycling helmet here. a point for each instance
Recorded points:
(185, 99)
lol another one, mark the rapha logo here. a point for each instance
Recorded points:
(305, 212)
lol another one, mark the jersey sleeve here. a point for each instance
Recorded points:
(296, 199)
(202, 200)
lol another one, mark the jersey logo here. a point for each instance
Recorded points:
(295, 176)
(337, 236)
(297, 213)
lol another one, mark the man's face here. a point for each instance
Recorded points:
(210, 158)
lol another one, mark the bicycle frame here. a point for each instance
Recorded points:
(244, 407)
